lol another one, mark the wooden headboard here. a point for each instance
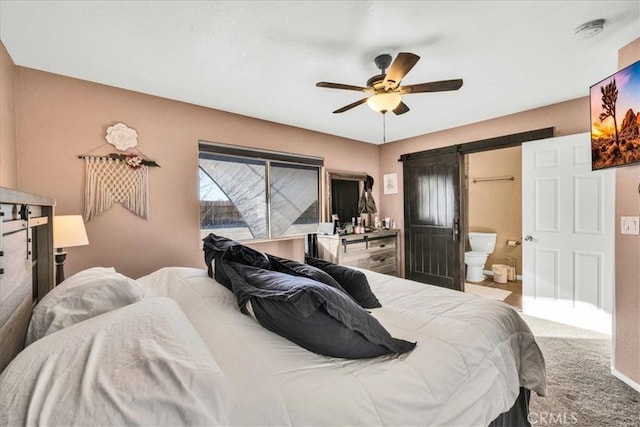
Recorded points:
(26, 264)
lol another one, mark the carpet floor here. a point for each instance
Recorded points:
(581, 391)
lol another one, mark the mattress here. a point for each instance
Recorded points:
(472, 356)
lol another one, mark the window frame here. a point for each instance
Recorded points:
(266, 156)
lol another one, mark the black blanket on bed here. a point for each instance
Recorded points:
(312, 314)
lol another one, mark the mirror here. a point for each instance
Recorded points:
(343, 193)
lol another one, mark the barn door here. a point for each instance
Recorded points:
(433, 251)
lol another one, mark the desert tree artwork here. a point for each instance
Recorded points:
(615, 119)
(609, 99)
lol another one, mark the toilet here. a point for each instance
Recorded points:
(482, 244)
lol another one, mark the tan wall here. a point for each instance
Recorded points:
(60, 118)
(8, 162)
(627, 291)
(566, 118)
(496, 206)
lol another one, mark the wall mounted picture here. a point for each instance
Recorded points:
(615, 119)
(390, 181)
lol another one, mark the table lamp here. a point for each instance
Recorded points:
(68, 231)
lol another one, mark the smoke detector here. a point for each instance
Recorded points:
(589, 29)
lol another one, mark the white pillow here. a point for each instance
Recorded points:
(82, 296)
(143, 364)
(84, 276)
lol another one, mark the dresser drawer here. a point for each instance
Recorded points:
(350, 247)
(384, 261)
(360, 262)
(382, 243)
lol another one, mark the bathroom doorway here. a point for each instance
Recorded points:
(423, 254)
(493, 195)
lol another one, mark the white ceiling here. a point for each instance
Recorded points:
(263, 58)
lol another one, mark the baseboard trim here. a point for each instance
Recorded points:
(625, 379)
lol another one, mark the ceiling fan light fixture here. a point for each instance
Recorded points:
(384, 89)
(383, 102)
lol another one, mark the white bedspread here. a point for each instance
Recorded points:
(138, 365)
(472, 356)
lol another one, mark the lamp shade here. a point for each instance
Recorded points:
(68, 231)
(384, 102)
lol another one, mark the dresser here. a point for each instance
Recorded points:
(376, 251)
(26, 264)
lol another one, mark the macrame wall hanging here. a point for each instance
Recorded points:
(117, 178)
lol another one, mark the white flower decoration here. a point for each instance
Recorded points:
(122, 136)
(134, 161)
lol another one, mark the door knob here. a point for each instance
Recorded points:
(528, 239)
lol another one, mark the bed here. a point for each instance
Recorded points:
(177, 349)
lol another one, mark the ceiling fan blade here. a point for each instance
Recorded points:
(403, 63)
(440, 86)
(401, 109)
(330, 85)
(350, 106)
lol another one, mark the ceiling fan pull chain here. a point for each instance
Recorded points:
(384, 129)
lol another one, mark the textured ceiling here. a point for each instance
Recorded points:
(263, 58)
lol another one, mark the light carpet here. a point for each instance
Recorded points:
(581, 391)
(485, 291)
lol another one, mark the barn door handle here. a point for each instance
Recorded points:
(456, 224)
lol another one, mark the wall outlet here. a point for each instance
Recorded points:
(630, 225)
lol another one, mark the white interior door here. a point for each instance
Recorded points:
(568, 233)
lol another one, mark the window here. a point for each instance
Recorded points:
(254, 194)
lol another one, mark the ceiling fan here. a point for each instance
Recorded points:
(384, 88)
